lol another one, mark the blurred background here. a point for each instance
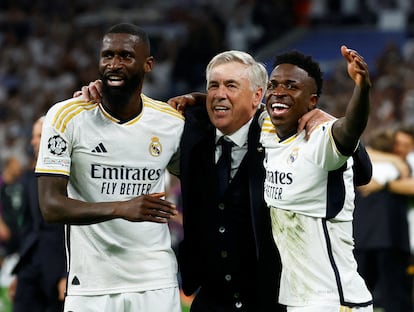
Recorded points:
(49, 49)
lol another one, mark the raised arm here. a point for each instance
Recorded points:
(348, 129)
(56, 206)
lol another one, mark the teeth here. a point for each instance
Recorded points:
(220, 108)
(114, 78)
(279, 106)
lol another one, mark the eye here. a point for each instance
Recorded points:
(289, 86)
(271, 85)
(107, 55)
(126, 55)
(212, 86)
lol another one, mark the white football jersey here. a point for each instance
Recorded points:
(309, 189)
(106, 160)
(383, 172)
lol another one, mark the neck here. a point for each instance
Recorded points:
(123, 108)
(285, 134)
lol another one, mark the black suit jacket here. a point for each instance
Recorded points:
(41, 242)
(199, 195)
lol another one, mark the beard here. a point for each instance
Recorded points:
(120, 95)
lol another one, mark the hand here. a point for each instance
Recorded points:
(61, 286)
(91, 92)
(370, 188)
(12, 289)
(147, 208)
(178, 218)
(312, 119)
(357, 67)
(5, 232)
(180, 102)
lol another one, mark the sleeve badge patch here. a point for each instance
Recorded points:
(57, 145)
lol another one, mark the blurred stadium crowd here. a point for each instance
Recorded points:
(49, 49)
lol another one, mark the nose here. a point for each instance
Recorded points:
(220, 92)
(115, 62)
(278, 91)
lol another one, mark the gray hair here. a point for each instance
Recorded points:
(256, 72)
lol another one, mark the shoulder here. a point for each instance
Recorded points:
(162, 108)
(268, 131)
(385, 169)
(61, 113)
(322, 133)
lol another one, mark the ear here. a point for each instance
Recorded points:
(149, 62)
(313, 101)
(257, 97)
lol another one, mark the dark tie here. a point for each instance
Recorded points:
(224, 165)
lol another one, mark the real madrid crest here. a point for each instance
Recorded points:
(293, 156)
(155, 147)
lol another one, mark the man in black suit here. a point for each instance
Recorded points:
(227, 248)
(228, 257)
(41, 271)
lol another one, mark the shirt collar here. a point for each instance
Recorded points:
(239, 137)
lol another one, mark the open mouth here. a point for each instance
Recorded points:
(279, 108)
(220, 108)
(115, 80)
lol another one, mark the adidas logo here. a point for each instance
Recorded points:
(75, 281)
(100, 148)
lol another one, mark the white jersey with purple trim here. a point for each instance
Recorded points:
(106, 160)
(309, 190)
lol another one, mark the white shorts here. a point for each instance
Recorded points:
(159, 300)
(329, 308)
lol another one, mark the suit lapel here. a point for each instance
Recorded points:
(255, 154)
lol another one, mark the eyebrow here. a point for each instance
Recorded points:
(225, 81)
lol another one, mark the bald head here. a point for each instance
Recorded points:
(36, 133)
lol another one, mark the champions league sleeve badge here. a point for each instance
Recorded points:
(155, 147)
(57, 145)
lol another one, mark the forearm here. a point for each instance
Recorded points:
(402, 186)
(357, 112)
(57, 207)
(348, 129)
(60, 209)
(200, 98)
